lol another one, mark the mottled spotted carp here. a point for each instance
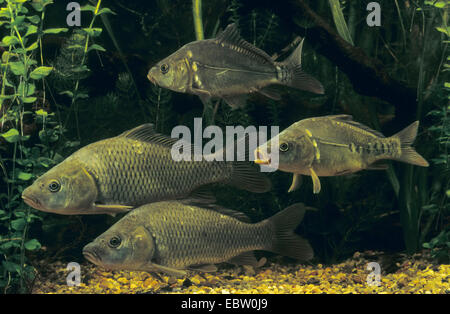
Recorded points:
(173, 236)
(229, 67)
(135, 168)
(337, 145)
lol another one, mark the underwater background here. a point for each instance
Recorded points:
(64, 87)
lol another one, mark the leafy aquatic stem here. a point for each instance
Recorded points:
(74, 95)
(197, 15)
(339, 20)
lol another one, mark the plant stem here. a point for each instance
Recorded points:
(197, 14)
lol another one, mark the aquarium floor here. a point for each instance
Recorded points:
(399, 274)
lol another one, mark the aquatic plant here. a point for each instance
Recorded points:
(437, 210)
(23, 109)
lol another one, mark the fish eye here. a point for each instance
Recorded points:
(164, 68)
(284, 147)
(114, 242)
(54, 186)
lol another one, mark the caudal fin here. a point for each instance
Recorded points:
(245, 174)
(286, 242)
(296, 77)
(407, 137)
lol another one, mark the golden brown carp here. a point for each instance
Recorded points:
(135, 168)
(174, 236)
(337, 145)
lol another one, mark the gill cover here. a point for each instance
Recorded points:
(173, 72)
(67, 189)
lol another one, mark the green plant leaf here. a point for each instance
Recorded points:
(24, 176)
(26, 89)
(32, 46)
(10, 40)
(40, 72)
(88, 7)
(11, 136)
(105, 11)
(339, 20)
(67, 92)
(18, 224)
(96, 47)
(444, 30)
(32, 245)
(18, 68)
(41, 112)
(55, 30)
(32, 29)
(10, 266)
(93, 32)
(34, 19)
(28, 100)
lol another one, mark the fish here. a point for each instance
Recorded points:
(230, 68)
(174, 237)
(336, 145)
(118, 174)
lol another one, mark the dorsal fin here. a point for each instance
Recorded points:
(229, 212)
(348, 119)
(232, 37)
(147, 133)
(217, 208)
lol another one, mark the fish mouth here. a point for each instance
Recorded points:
(33, 202)
(150, 78)
(92, 256)
(261, 158)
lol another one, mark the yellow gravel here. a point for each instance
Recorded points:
(412, 275)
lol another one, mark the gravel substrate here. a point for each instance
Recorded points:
(399, 274)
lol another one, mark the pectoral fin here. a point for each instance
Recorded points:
(316, 181)
(296, 182)
(112, 209)
(151, 267)
(207, 268)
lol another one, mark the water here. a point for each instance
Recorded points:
(368, 216)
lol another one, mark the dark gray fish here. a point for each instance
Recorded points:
(229, 67)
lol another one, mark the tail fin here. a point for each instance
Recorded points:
(297, 78)
(286, 242)
(407, 137)
(245, 174)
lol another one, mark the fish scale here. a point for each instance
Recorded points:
(219, 237)
(131, 184)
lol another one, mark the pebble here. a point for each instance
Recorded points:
(414, 275)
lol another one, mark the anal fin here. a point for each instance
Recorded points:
(270, 92)
(246, 258)
(378, 165)
(235, 101)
